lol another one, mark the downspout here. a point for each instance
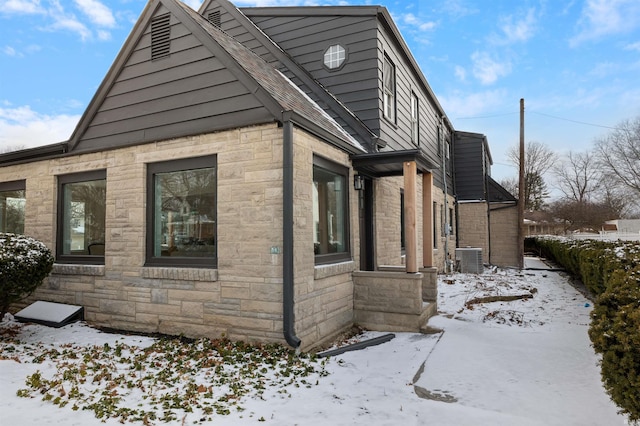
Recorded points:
(485, 180)
(287, 236)
(445, 210)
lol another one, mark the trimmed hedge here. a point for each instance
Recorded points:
(24, 264)
(615, 333)
(611, 271)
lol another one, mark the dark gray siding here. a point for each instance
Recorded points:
(469, 173)
(358, 84)
(188, 92)
(232, 26)
(305, 39)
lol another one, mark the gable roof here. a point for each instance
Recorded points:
(382, 15)
(327, 99)
(497, 193)
(275, 98)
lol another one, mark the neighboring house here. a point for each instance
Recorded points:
(262, 173)
(487, 214)
(622, 226)
(542, 223)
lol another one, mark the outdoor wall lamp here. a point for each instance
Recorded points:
(358, 183)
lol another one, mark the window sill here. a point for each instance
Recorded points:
(76, 269)
(182, 274)
(325, 271)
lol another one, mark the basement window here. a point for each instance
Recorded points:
(160, 36)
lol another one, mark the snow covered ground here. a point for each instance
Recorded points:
(521, 362)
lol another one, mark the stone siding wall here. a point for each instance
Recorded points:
(474, 231)
(323, 293)
(504, 235)
(473, 227)
(241, 299)
(387, 217)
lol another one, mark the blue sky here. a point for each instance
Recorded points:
(576, 63)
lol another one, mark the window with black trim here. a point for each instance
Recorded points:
(414, 118)
(434, 226)
(389, 89)
(330, 211)
(82, 199)
(451, 222)
(182, 212)
(335, 57)
(12, 202)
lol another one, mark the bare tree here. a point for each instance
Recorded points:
(619, 154)
(582, 215)
(577, 176)
(510, 184)
(538, 160)
(6, 149)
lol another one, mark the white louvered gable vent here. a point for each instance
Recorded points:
(160, 36)
(214, 18)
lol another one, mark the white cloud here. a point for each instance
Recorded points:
(460, 73)
(467, 105)
(601, 18)
(67, 23)
(518, 30)
(416, 23)
(63, 21)
(457, 9)
(103, 35)
(10, 51)
(21, 127)
(633, 46)
(97, 12)
(21, 6)
(604, 69)
(486, 69)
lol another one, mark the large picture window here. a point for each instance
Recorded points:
(181, 212)
(81, 217)
(12, 202)
(330, 211)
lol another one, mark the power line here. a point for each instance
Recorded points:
(539, 113)
(486, 116)
(575, 121)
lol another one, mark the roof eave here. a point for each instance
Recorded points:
(34, 154)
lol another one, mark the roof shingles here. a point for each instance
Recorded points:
(279, 87)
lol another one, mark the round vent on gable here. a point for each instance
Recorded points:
(335, 57)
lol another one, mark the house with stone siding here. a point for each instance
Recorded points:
(264, 174)
(487, 210)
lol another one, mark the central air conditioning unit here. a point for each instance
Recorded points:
(469, 260)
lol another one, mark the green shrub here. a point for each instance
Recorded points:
(615, 333)
(24, 264)
(611, 271)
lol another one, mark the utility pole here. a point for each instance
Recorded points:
(521, 199)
